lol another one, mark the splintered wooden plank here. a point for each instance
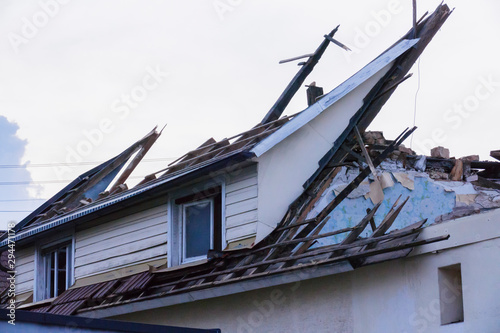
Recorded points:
(353, 235)
(483, 182)
(390, 255)
(304, 247)
(388, 220)
(250, 269)
(495, 154)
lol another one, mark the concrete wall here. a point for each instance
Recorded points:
(396, 296)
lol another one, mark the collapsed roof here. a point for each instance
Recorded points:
(293, 243)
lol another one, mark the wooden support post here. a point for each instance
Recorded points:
(414, 18)
(365, 152)
(297, 81)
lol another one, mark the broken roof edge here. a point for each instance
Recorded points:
(218, 290)
(333, 96)
(92, 172)
(225, 161)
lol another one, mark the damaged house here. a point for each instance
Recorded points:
(305, 222)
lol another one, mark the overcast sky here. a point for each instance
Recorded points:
(83, 80)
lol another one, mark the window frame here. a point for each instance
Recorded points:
(184, 258)
(46, 256)
(214, 191)
(41, 289)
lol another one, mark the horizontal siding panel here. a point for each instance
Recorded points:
(25, 267)
(241, 219)
(241, 195)
(109, 246)
(239, 175)
(243, 231)
(137, 221)
(26, 254)
(25, 277)
(241, 207)
(241, 184)
(110, 240)
(154, 253)
(22, 287)
(121, 250)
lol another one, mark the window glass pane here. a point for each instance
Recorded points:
(55, 261)
(61, 271)
(197, 229)
(52, 274)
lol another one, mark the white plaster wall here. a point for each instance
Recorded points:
(283, 169)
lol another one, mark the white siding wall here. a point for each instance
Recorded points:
(241, 204)
(25, 267)
(126, 241)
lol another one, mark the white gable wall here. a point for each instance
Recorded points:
(283, 169)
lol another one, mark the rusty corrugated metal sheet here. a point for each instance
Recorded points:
(134, 283)
(106, 288)
(78, 293)
(42, 309)
(67, 309)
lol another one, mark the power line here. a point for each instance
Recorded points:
(15, 200)
(47, 165)
(41, 182)
(15, 211)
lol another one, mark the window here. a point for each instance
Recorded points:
(197, 229)
(197, 225)
(450, 294)
(55, 269)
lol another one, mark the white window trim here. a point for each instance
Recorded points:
(182, 236)
(46, 266)
(174, 215)
(40, 277)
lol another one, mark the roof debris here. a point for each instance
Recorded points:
(295, 244)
